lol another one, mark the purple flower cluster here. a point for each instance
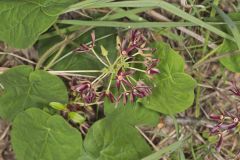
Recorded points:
(136, 42)
(133, 56)
(86, 91)
(141, 90)
(226, 122)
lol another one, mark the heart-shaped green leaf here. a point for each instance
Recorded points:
(22, 21)
(107, 141)
(24, 88)
(37, 135)
(232, 63)
(174, 89)
(115, 137)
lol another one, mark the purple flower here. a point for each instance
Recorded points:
(216, 117)
(141, 90)
(111, 97)
(225, 122)
(85, 47)
(153, 71)
(81, 87)
(86, 91)
(228, 126)
(121, 78)
(125, 96)
(235, 90)
(150, 64)
(135, 42)
(220, 142)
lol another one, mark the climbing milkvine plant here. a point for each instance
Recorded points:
(50, 104)
(132, 89)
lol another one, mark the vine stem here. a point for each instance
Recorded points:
(71, 74)
(90, 104)
(136, 69)
(108, 60)
(124, 87)
(100, 77)
(59, 73)
(135, 62)
(51, 50)
(99, 58)
(64, 56)
(48, 53)
(115, 62)
(110, 82)
(17, 56)
(50, 64)
(134, 80)
(77, 71)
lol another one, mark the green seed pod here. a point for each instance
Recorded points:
(76, 117)
(58, 106)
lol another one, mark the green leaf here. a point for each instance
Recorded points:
(22, 21)
(37, 135)
(107, 141)
(173, 90)
(24, 88)
(115, 136)
(231, 25)
(231, 62)
(131, 113)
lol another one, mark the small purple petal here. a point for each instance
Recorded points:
(125, 98)
(220, 142)
(229, 126)
(216, 117)
(111, 97)
(153, 71)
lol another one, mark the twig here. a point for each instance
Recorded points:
(17, 56)
(59, 73)
(70, 74)
(189, 121)
(149, 141)
(4, 133)
(227, 54)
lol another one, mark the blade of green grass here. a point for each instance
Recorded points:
(122, 24)
(231, 25)
(207, 35)
(131, 24)
(129, 13)
(86, 4)
(120, 13)
(168, 7)
(125, 24)
(166, 150)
